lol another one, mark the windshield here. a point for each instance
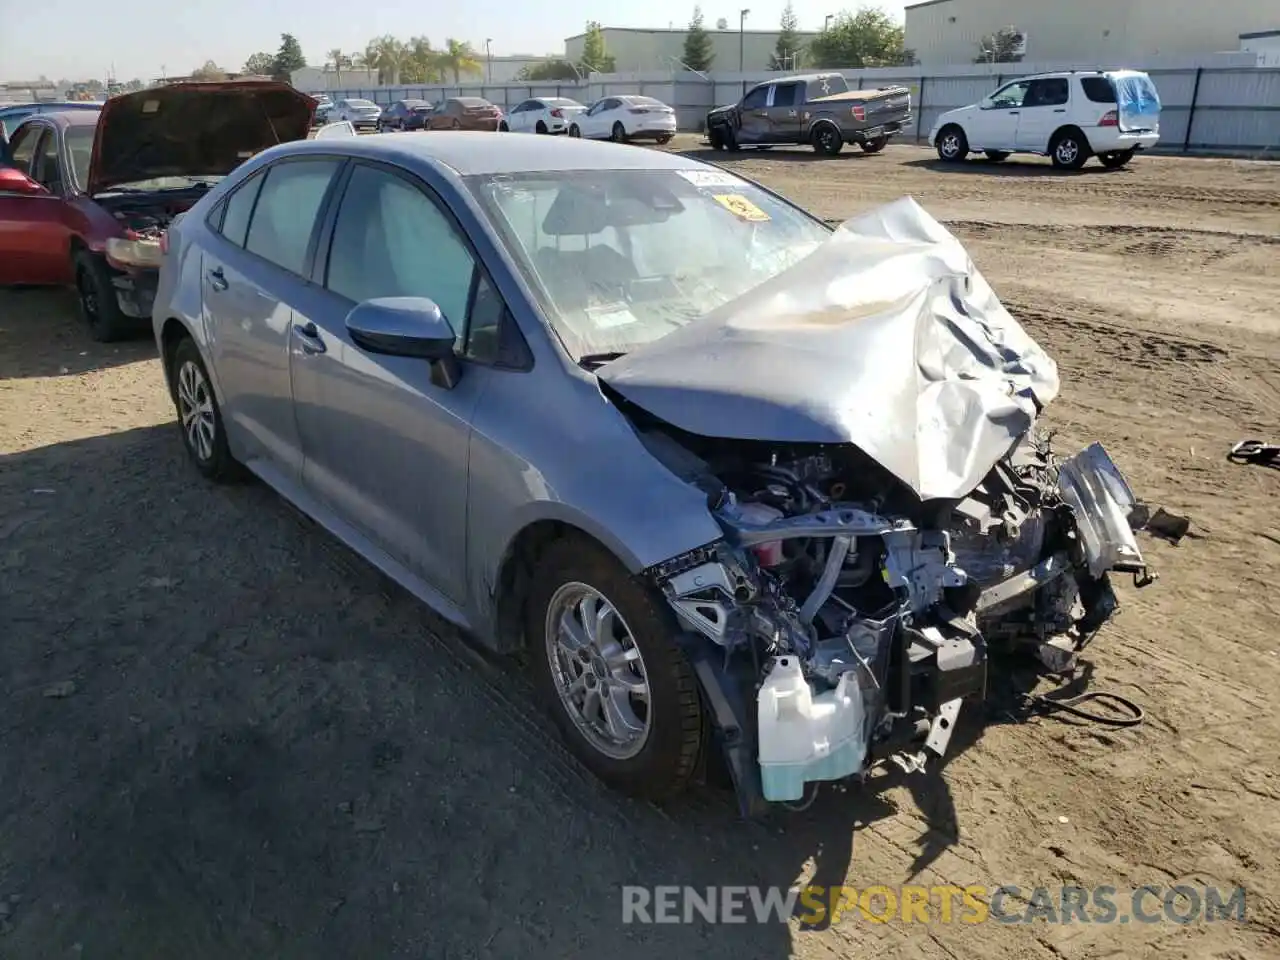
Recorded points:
(361, 103)
(620, 258)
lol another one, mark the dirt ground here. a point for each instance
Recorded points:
(223, 736)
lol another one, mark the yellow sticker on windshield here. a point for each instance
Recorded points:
(741, 207)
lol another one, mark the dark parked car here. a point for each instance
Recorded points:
(464, 113)
(398, 114)
(88, 195)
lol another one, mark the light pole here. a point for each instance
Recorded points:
(742, 22)
(826, 21)
(488, 56)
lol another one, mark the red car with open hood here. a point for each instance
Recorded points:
(87, 196)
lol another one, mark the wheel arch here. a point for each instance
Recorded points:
(819, 121)
(1065, 129)
(949, 125)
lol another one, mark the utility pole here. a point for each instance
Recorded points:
(488, 56)
(742, 23)
(826, 21)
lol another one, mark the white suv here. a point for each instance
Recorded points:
(1068, 116)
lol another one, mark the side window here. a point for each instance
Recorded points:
(285, 215)
(23, 147)
(391, 240)
(1049, 92)
(756, 99)
(238, 207)
(1010, 96)
(1098, 89)
(47, 170)
(786, 94)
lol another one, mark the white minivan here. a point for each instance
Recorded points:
(1068, 116)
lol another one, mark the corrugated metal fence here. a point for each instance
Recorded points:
(1215, 107)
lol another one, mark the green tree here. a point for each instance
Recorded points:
(786, 53)
(698, 52)
(288, 58)
(595, 59)
(260, 64)
(556, 69)
(458, 58)
(387, 55)
(210, 71)
(1006, 45)
(868, 38)
(421, 62)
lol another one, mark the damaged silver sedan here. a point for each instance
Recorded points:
(738, 483)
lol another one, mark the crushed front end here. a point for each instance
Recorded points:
(841, 622)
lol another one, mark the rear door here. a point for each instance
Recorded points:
(33, 231)
(384, 446)
(784, 112)
(1044, 110)
(255, 271)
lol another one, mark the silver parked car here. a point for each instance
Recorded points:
(733, 478)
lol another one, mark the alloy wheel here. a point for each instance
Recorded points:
(950, 145)
(195, 407)
(598, 671)
(1067, 151)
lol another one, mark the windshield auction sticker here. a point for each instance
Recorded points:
(741, 207)
(710, 178)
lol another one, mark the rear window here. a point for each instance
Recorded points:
(361, 103)
(473, 102)
(561, 102)
(1098, 89)
(643, 101)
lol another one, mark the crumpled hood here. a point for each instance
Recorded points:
(886, 337)
(193, 129)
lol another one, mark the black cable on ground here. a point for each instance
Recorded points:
(1071, 705)
(1255, 452)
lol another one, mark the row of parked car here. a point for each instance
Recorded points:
(621, 118)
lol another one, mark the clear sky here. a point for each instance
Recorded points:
(81, 39)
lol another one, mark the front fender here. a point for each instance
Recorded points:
(548, 445)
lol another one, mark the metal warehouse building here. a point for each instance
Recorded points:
(637, 50)
(1086, 31)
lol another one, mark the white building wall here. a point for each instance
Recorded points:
(638, 51)
(1266, 45)
(1085, 31)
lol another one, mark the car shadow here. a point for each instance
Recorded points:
(1021, 166)
(265, 748)
(796, 154)
(41, 336)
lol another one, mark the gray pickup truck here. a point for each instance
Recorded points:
(817, 109)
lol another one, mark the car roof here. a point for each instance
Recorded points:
(473, 152)
(68, 118)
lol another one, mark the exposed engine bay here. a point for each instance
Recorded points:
(842, 621)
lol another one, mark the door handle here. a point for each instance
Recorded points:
(791, 113)
(762, 113)
(1060, 110)
(308, 338)
(1014, 113)
(217, 279)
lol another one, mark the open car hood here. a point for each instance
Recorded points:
(193, 129)
(886, 337)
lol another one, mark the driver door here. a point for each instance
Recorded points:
(995, 125)
(34, 241)
(384, 446)
(754, 113)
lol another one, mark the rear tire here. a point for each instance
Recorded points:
(1116, 159)
(664, 139)
(626, 700)
(540, 128)
(995, 156)
(199, 417)
(619, 133)
(99, 308)
(827, 140)
(952, 145)
(503, 128)
(1069, 150)
(715, 139)
(874, 146)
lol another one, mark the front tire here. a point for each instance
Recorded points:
(1070, 150)
(952, 145)
(605, 659)
(1116, 159)
(996, 156)
(574, 131)
(99, 308)
(199, 416)
(827, 140)
(664, 139)
(874, 146)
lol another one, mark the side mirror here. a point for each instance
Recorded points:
(407, 327)
(13, 180)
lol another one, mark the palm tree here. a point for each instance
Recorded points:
(339, 60)
(421, 61)
(458, 58)
(385, 54)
